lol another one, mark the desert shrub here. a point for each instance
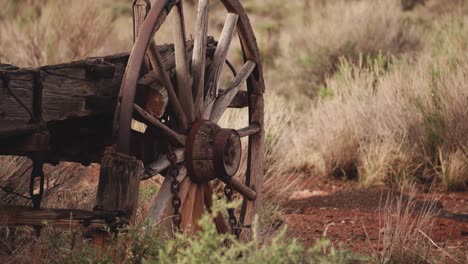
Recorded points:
(56, 31)
(336, 29)
(391, 121)
(410, 4)
(13, 178)
(139, 244)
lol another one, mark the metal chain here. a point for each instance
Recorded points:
(175, 188)
(233, 223)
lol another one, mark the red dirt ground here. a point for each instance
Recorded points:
(352, 217)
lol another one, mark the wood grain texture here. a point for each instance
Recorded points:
(241, 188)
(255, 170)
(59, 218)
(198, 208)
(152, 95)
(187, 209)
(162, 210)
(199, 56)
(140, 9)
(119, 181)
(224, 100)
(249, 45)
(70, 90)
(201, 156)
(183, 76)
(248, 131)
(256, 88)
(219, 59)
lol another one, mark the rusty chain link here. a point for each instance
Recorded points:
(233, 223)
(175, 188)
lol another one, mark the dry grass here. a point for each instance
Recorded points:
(330, 30)
(391, 121)
(406, 227)
(47, 32)
(279, 123)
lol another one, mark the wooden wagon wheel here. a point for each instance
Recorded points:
(199, 150)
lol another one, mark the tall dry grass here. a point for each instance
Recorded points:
(389, 122)
(47, 32)
(330, 30)
(406, 225)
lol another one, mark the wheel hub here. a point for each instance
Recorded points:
(212, 152)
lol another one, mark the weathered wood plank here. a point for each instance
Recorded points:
(119, 181)
(184, 81)
(61, 218)
(16, 85)
(67, 88)
(199, 56)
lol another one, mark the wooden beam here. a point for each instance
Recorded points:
(61, 218)
(119, 181)
(69, 90)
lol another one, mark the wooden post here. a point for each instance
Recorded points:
(118, 186)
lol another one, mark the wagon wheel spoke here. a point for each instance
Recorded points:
(224, 100)
(248, 131)
(158, 166)
(199, 56)
(188, 207)
(162, 210)
(182, 67)
(218, 61)
(221, 225)
(180, 139)
(158, 67)
(242, 189)
(199, 207)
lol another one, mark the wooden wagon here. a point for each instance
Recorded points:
(152, 112)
